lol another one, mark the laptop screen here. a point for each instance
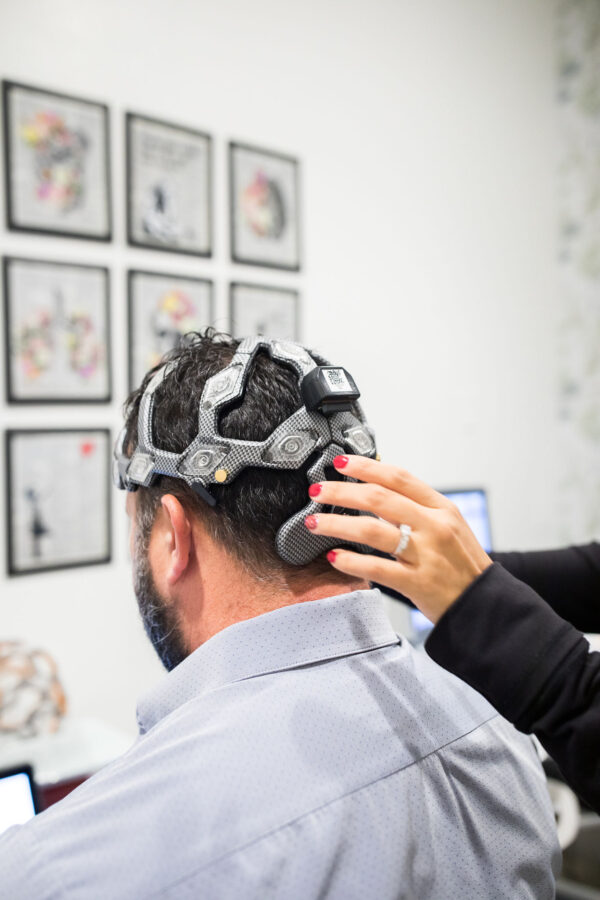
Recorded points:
(17, 797)
(472, 503)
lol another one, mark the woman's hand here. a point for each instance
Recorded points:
(442, 556)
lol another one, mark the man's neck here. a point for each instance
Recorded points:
(224, 593)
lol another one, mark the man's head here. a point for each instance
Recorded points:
(239, 532)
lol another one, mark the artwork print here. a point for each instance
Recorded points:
(58, 499)
(162, 310)
(258, 309)
(169, 190)
(264, 208)
(57, 332)
(57, 163)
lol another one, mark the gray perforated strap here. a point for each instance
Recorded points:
(227, 386)
(288, 447)
(295, 543)
(147, 461)
(120, 461)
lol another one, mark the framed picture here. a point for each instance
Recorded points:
(57, 169)
(258, 309)
(168, 187)
(58, 495)
(162, 309)
(265, 227)
(57, 332)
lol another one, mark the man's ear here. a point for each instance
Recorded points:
(178, 539)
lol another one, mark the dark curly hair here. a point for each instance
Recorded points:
(251, 509)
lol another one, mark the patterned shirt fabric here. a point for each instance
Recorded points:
(306, 753)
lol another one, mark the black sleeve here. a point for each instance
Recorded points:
(568, 580)
(533, 667)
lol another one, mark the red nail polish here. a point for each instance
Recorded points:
(314, 490)
(311, 522)
(340, 462)
(331, 556)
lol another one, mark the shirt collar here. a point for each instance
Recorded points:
(286, 638)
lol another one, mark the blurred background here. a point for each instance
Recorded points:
(447, 249)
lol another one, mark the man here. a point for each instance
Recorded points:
(298, 748)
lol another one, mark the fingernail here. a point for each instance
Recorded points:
(340, 462)
(314, 490)
(332, 555)
(311, 522)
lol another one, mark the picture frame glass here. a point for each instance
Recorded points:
(58, 333)
(169, 191)
(57, 163)
(264, 208)
(59, 504)
(162, 309)
(272, 312)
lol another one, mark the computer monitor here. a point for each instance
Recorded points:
(18, 801)
(472, 502)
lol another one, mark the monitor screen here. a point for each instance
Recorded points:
(472, 503)
(17, 798)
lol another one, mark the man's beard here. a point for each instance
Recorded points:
(160, 619)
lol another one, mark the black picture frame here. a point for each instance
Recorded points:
(88, 508)
(17, 221)
(12, 393)
(135, 370)
(236, 288)
(283, 207)
(202, 138)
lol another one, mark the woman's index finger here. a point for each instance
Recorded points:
(392, 477)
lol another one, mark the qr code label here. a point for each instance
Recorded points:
(336, 380)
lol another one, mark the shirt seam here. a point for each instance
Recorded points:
(318, 659)
(390, 641)
(257, 840)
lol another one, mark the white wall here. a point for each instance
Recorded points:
(578, 194)
(426, 132)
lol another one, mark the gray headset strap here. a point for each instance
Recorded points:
(146, 460)
(208, 451)
(227, 386)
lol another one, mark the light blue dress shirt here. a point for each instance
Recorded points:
(306, 753)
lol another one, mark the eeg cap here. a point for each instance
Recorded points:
(325, 424)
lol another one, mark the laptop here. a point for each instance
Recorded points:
(472, 503)
(18, 798)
